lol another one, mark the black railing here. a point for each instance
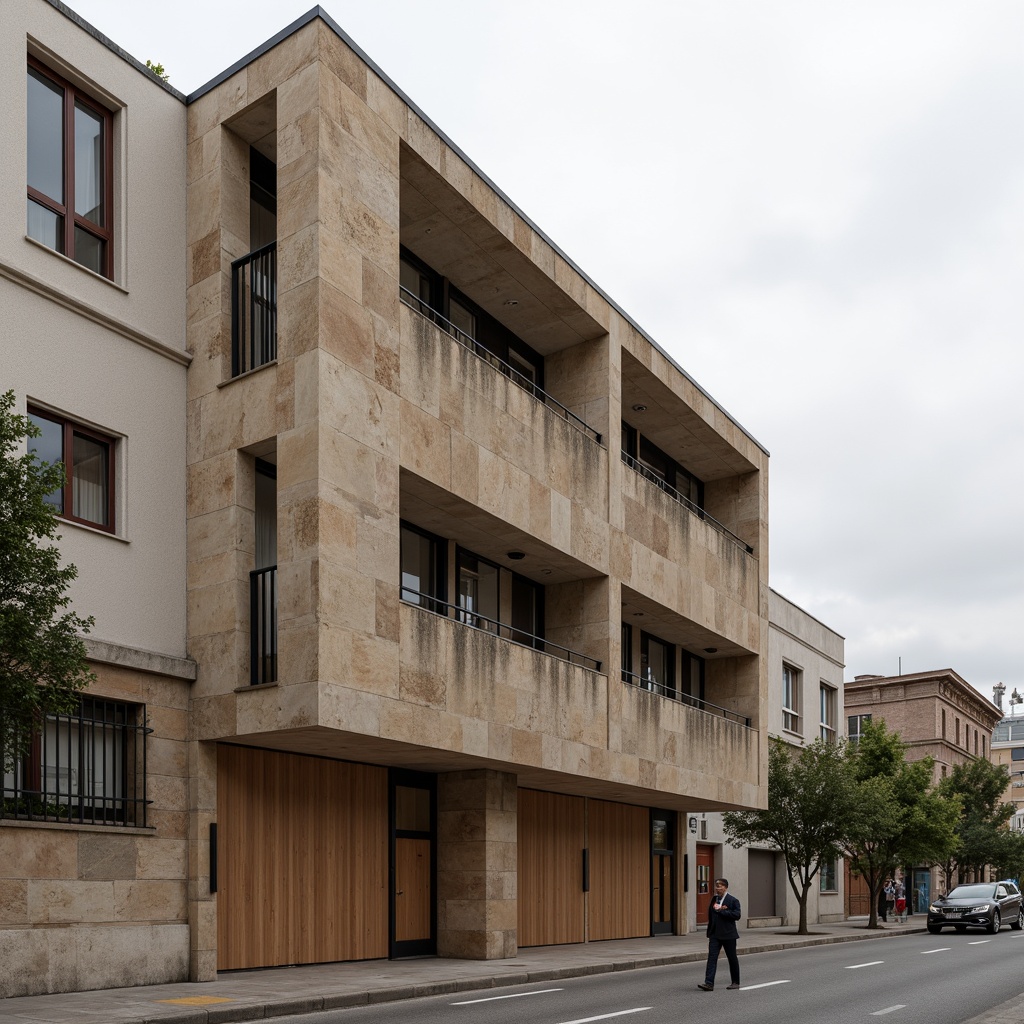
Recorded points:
(254, 310)
(263, 625)
(671, 693)
(687, 503)
(500, 629)
(84, 768)
(413, 301)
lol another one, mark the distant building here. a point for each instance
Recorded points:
(937, 714)
(805, 703)
(1008, 750)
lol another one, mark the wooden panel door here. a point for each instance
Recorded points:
(619, 901)
(550, 866)
(413, 837)
(412, 890)
(705, 881)
(302, 859)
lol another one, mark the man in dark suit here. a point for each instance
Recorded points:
(723, 914)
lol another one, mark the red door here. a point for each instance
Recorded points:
(705, 870)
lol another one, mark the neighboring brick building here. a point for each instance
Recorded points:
(1008, 750)
(937, 714)
(476, 576)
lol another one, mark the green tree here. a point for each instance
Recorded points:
(808, 795)
(981, 832)
(42, 654)
(897, 816)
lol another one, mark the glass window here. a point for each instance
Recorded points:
(626, 652)
(88, 464)
(88, 766)
(527, 613)
(827, 877)
(827, 705)
(462, 317)
(657, 665)
(69, 174)
(691, 681)
(790, 698)
(478, 592)
(855, 727)
(423, 559)
(412, 809)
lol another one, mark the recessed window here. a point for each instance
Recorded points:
(827, 877)
(791, 698)
(423, 558)
(827, 704)
(86, 767)
(657, 665)
(87, 494)
(70, 186)
(855, 727)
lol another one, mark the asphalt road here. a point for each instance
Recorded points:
(908, 979)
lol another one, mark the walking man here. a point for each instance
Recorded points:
(723, 914)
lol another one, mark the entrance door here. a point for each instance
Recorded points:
(663, 837)
(705, 870)
(921, 894)
(413, 851)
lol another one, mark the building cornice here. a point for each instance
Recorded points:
(103, 652)
(47, 291)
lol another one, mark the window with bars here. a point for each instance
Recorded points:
(84, 768)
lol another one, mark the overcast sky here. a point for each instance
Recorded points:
(817, 208)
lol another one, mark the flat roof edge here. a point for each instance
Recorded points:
(319, 12)
(114, 48)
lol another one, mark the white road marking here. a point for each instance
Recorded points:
(941, 949)
(764, 984)
(870, 963)
(978, 942)
(513, 995)
(888, 1009)
(605, 1016)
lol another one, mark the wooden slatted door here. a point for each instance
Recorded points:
(413, 802)
(302, 859)
(550, 868)
(619, 839)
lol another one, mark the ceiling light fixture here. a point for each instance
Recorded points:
(710, 650)
(516, 556)
(639, 407)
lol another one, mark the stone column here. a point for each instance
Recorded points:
(476, 865)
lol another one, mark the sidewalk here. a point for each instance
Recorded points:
(255, 995)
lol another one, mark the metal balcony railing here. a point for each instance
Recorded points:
(692, 506)
(254, 310)
(499, 629)
(670, 693)
(414, 302)
(263, 625)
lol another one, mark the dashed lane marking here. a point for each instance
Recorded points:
(978, 942)
(870, 963)
(764, 984)
(605, 1016)
(888, 1009)
(941, 949)
(513, 995)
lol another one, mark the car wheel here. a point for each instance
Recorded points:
(935, 928)
(994, 924)
(1019, 922)
(961, 928)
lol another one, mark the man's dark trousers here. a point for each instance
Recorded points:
(729, 945)
(722, 934)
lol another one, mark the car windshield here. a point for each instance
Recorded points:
(971, 892)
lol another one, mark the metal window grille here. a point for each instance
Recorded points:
(84, 768)
(254, 310)
(263, 625)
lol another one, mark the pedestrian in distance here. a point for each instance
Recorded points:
(890, 897)
(901, 901)
(723, 914)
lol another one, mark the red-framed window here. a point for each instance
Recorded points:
(70, 161)
(87, 495)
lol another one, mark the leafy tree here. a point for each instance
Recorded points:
(42, 654)
(981, 833)
(808, 795)
(897, 815)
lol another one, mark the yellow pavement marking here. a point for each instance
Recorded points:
(196, 1000)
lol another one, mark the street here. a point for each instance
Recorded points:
(912, 979)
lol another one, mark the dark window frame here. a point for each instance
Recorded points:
(69, 428)
(97, 722)
(639, 447)
(65, 208)
(666, 687)
(440, 558)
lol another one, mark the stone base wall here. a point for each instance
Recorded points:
(80, 957)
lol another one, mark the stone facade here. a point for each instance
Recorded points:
(327, 423)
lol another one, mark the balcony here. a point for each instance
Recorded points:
(659, 689)
(418, 305)
(254, 310)
(689, 505)
(263, 626)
